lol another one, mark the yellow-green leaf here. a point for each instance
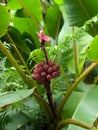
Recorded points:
(4, 19)
(92, 50)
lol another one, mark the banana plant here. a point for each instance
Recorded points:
(20, 13)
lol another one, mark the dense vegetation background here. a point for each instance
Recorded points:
(73, 28)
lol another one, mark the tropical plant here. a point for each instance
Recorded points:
(48, 64)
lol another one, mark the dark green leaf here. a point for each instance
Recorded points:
(80, 11)
(16, 120)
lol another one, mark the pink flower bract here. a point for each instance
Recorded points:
(42, 37)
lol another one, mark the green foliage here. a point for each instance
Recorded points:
(5, 19)
(23, 115)
(31, 23)
(88, 107)
(14, 5)
(69, 48)
(24, 42)
(66, 45)
(64, 48)
(59, 2)
(86, 10)
(8, 76)
(12, 97)
(92, 52)
(55, 23)
(37, 55)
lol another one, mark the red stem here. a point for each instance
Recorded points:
(47, 84)
(44, 50)
(50, 99)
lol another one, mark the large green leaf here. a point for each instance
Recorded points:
(73, 101)
(22, 113)
(36, 11)
(82, 40)
(66, 29)
(92, 50)
(31, 23)
(5, 19)
(68, 109)
(23, 41)
(54, 21)
(12, 97)
(59, 2)
(87, 110)
(16, 120)
(79, 11)
(14, 4)
(26, 25)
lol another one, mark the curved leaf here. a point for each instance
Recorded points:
(26, 25)
(4, 19)
(20, 114)
(14, 5)
(54, 21)
(74, 101)
(29, 20)
(26, 40)
(36, 11)
(87, 110)
(12, 97)
(80, 11)
(92, 50)
(15, 120)
(66, 29)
